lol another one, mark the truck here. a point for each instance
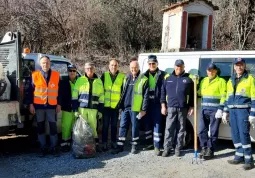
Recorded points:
(196, 64)
(15, 72)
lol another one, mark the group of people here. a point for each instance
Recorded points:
(145, 98)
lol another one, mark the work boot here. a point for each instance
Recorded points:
(113, 145)
(117, 150)
(157, 152)
(105, 147)
(202, 153)
(166, 153)
(235, 162)
(55, 152)
(209, 154)
(98, 148)
(43, 153)
(177, 152)
(134, 149)
(248, 166)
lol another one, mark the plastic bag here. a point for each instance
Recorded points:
(83, 140)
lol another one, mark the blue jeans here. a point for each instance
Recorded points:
(207, 119)
(153, 125)
(240, 132)
(127, 117)
(110, 116)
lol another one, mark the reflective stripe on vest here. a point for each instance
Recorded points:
(138, 93)
(112, 90)
(44, 93)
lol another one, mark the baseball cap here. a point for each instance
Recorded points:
(211, 66)
(179, 62)
(152, 58)
(71, 66)
(237, 60)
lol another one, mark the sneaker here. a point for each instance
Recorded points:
(166, 153)
(235, 162)
(98, 148)
(105, 147)
(209, 154)
(134, 149)
(43, 153)
(248, 166)
(202, 153)
(157, 152)
(117, 150)
(55, 152)
(177, 152)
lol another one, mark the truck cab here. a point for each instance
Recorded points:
(15, 79)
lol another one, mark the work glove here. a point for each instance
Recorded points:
(99, 115)
(252, 121)
(225, 117)
(76, 114)
(219, 114)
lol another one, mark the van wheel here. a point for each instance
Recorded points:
(4, 130)
(189, 135)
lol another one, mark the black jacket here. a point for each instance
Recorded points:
(159, 78)
(66, 95)
(145, 94)
(179, 91)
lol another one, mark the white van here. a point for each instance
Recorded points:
(196, 63)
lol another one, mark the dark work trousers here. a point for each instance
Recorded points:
(208, 122)
(110, 116)
(153, 124)
(49, 115)
(240, 133)
(127, 117)
(175, 126)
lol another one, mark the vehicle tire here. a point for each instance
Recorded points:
(4, 130)
(189, 135)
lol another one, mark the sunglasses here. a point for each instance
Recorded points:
(152, 63)
(71, 70)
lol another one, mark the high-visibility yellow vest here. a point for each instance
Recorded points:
(112, 91)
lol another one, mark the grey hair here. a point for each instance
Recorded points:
(89, 64)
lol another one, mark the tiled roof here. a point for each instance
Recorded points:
(182, 3)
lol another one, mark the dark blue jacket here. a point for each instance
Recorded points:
(66, 95)
(31, 93)
(159, 78)
(179, 91)
(124, 91)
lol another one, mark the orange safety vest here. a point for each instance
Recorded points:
(44, 92)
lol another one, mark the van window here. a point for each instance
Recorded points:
(28, 67)
(60, 66)
(250, 65)
(225, 66)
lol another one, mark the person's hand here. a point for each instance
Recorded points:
(190, 111)
(142, 113)
(32, 109)
(163, 110)
(76, 114)
(252, 121)
(225, 118)
(58, 108)
(219, 114)
(99, 115)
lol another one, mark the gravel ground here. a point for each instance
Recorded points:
(144, 164)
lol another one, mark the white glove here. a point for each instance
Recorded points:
(219, 114)
(225, 118)
(252, 121)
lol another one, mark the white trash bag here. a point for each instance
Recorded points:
(83, 140)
